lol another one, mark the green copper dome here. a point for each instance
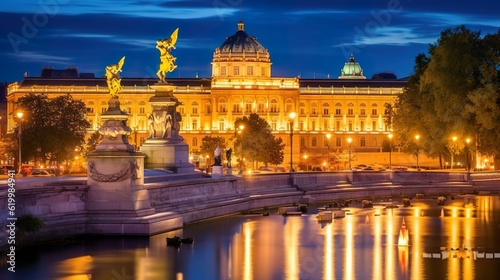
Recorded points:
(352, 70)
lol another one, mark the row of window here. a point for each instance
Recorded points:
(236, 71)
(314, 142)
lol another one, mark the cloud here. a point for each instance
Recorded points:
(389, 35)
(453, 19)
(148, 9)
(34, 57)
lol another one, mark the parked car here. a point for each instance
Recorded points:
(41, 173)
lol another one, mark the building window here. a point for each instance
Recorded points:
(142, 139)
(274, 106)
(302, 111)
(302, 142)
(337, 126)
(338, 142)
(248, 106)
(350, 125)
(325, 125)
(195, 124)
(374, 112)
(222, 106)
(222, 125)
(338, 111)
(142, 110)
(261, 107)
(90, 110)
(103, 110)
(223, 71)
(350, 111)
(195, 110)
(208, 108)
(374, 126)
(362, 112)
(362, 126)
(289, 106)
(236, 108)
(195, 142)
(326, 111)
(250, 70)
(236, 70)
(301, 125)
(273, 125)
(362, 142)
(314, 142)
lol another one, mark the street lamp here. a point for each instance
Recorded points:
(418, 151)
(20, 117)
(328, 136)
(307, 164)
(349, 140)
(292, 117)
(467, 155)
(390, 151)
(454, 138)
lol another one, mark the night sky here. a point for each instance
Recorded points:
(310, 38)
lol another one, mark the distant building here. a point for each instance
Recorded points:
(241, 83)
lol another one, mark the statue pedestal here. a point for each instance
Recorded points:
(165, 148)
(173, 156)
(117, 202)
(229, 171)
(217, 171)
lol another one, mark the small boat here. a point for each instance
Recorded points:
(188, 240)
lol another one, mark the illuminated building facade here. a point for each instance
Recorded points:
(241, 83)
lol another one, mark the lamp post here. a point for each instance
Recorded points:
(390, 151)
(292, 117)
(240, 131)
(307, 164)
(328, 136)
(454, 138)
(20, 117)
(418, 150)
(349, 140)
(467, 156)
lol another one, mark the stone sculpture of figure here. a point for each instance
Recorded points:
(168, 127)
(112, 77)
(176, 126)
(157, 122)
(217, 158)
(167, 60)
(228, 156)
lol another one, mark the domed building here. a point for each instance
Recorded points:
(241, 55)
(351, 70)
(332, 115)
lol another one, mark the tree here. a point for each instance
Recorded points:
(255, 141)
(52, 128)
(433, 103)
(209, 144)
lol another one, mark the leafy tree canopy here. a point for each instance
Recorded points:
(453, 92)
(51, 128)
(209, 144)
(255, 142)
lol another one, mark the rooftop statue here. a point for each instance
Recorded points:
(167, 60)
(113, 77)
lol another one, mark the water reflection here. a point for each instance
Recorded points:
(445, 242)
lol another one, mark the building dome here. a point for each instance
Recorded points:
(241, 47)
(352, 70)
(241, 56)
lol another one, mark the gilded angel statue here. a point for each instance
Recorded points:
(167, 60)
(113, 77)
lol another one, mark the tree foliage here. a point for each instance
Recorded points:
(209, 144)
(453, 92)
(256, 143)
(51, 129)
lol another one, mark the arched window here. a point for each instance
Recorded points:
(362, 142)
(194, 108)
(288, 106)
(248, 106)
(314, 108)
(326, 109)
(195, 142)
(261, 106)
(222, 105)
(274, 106)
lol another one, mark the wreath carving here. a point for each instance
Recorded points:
(123, 174)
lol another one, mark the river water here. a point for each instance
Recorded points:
(457, 241)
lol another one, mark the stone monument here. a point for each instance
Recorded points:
(165, 148)
(117, 202)
(217, 169)
(229, 151)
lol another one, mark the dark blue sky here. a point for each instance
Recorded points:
(312, 38)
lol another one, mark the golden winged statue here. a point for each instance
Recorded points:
(113, 77)
(167, 61)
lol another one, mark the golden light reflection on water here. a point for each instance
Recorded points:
(349, 267)
(291, 238)
(328, 264)
(277, 248)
